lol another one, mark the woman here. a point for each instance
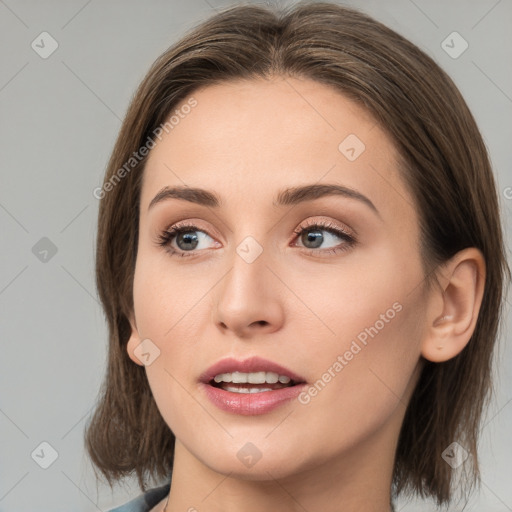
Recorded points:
(301, 261)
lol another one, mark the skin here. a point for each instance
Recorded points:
(246, 141)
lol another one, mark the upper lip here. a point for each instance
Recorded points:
(252, 364)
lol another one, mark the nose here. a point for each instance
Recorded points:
(249, 300)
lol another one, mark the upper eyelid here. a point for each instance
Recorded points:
(320, 218)
(327, 225)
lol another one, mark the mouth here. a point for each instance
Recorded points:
(253, 375)
(254, 382)
(254, 386)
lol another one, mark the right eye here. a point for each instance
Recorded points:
(188, 236)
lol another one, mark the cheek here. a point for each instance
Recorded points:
(371, 330)
(164, 308)
(168, 308)
(347, 297)
(358, 388)
(165, 300)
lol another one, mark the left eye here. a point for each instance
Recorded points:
(188, 238)
(312, 237)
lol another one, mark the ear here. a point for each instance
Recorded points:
(134, 341)
(451, 320)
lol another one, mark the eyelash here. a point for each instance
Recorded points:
(165, 238)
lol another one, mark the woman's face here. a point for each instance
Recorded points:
(324, 284)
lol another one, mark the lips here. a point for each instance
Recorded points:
(238, 402)
(253, 364)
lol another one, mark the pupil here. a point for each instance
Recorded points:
(188, 237)
(313, 236)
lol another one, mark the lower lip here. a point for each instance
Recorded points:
(249, 404)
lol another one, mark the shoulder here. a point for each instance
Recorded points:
(145, 502)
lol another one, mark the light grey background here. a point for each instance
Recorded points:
(59, 119)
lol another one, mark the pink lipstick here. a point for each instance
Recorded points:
(249, 387)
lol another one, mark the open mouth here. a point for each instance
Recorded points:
(257, 382)
(250, 387)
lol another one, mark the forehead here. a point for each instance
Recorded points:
(254, 137)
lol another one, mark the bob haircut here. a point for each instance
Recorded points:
(443, 162)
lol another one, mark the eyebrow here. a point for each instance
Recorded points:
(287, 197)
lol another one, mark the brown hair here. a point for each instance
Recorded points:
(443, 161)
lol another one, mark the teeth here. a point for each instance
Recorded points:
(238, 378)
(256, 378)
(234, 389)
(271, 377)
(252, 378)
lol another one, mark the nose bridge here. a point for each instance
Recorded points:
(248, 294)
(246, 280)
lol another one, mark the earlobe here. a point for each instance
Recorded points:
(450, 329)
(133, 342)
